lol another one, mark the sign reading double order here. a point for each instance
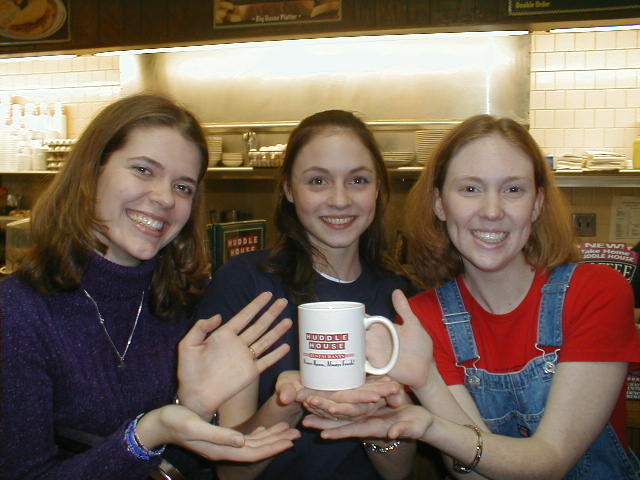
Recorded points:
(536, 7)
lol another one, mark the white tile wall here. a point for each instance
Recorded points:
(83, 85)
(585, 91)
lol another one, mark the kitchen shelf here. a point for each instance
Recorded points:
(564, 178)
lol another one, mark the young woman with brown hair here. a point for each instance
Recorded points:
(332, 196)
(92, 320)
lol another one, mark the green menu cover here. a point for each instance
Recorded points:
(233, 238)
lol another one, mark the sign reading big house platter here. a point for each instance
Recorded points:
(242, 13)
(535, 7)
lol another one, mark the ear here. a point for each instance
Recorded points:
(438, 209)
(537, 205)
(287, 192)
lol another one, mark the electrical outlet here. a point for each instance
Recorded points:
(585, 224)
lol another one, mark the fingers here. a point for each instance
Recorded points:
(255, 330)
(287, 387)
(200, 330)
(322, 423)
(218, 435)
(371, 428)
(260, 444)
(263, 343)
(272, 357)
(244, 316)
(263, 432)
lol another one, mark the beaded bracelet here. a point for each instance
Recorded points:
(375, 448)
(135, 447)
(459, 467)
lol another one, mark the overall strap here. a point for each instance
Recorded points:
(458, 322)
(553, 295)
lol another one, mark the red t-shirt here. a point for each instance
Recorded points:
(598, 326)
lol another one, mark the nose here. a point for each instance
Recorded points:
(492, 207)
(339, 196)
(162, 194)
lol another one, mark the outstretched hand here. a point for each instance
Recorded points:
(180, 426)
(416, 351)
(408, 421)
(213, 367)
(356, 403)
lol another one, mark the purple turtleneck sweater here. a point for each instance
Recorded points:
(59, 369)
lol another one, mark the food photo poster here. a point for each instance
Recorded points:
(243, 13)
(34, 21)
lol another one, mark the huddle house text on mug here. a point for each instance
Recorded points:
(327, 341)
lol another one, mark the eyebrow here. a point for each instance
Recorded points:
(160, 166)
(353, 170)
(480, 180)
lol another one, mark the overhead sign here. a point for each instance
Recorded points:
(537, 7)
(242, 13)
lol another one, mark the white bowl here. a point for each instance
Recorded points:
(231, 163)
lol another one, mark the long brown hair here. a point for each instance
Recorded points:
(293, 244)
(433, 255)
(64, 224)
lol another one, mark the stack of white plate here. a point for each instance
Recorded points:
(214, 144)
(397, 159)
(232, 159)
(427, 141)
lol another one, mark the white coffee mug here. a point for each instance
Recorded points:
(332, 345)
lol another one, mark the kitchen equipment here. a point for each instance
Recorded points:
(18, 240)
(232, 159)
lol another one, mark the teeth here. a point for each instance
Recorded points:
(490, 237)
(338, 221)
(146, 221)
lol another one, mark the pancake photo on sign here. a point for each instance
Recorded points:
(31, 19)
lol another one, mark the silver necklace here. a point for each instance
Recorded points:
(101, 320)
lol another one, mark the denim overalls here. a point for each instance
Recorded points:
(513, 403)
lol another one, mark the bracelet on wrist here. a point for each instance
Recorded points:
(135, 446)
(458, 466)
(375, 448)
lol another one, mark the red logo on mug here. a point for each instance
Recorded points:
(327, 341)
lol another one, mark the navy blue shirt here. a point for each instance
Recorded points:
(238, 282)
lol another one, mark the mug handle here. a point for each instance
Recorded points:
(368, 321)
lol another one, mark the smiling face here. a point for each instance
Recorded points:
(145, 193)
(489, 202)
(334, 189)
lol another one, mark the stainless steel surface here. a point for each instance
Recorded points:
(402, 80)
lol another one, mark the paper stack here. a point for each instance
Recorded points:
(598, 160)
(571, 161)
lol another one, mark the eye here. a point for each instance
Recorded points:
(316, 181)
(469, 189)
(360, 180)
(185, 189)
(142, 170)
(514, 190)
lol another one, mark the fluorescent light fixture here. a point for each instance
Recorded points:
(29, 59)
(595, 29)
(315, 41)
